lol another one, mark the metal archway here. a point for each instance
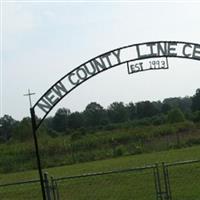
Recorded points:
(108, 60)
(127, 54)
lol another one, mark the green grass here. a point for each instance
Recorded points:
(185, 182)
(109, 164)
(124, 186)
(132, 185)
(96, 145)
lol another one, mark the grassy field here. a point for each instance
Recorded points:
(122, 140)
(124, 186)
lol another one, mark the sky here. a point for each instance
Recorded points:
(41, 41)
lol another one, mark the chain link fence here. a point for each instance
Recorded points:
(171, 181)
(183, 180)
(25, 190)
(136, 183)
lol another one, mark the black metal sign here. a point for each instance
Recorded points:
(134, 55)
(138, 58)
(128, 54)
(147, 64)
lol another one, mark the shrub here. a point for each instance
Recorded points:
(76, 135)
(52, 133)
(193, 141)
(158, 120)
(118, 151)
(184, 126)
(164, 130)
(175, 115)
(196, 116)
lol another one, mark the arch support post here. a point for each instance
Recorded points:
(34, 129)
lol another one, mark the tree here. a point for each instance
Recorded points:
(172, 101)
(158, 106)
(94, 114)
(48, 122)
(185, 104)
(177, 102)
(60, 120)
(75, 120)
(175, 115)
(23, 130)
(196, 101)
(165, 108)
(196, 116)
(117, 112)
(131, 109)
(146, 109)
(7, 124)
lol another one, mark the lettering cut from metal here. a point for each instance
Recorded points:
(138, 57)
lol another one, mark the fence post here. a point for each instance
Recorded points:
(54, 189)
(157, 182)
(166, 182)
(47, 186)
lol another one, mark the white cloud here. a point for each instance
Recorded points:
(17, 19)
(47, 40)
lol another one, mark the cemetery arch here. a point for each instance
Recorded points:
(132, 55)
(128, 54)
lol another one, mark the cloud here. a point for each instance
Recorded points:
(49, 14)
(16, 19)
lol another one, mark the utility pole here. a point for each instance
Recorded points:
(34, 128)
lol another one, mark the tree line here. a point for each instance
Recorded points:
(95, 116)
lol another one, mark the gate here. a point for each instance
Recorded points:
(134, 183)
(51, 188)
(162, 184)
(171, 181)
(183, 180)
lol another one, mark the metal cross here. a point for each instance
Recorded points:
(29, 95)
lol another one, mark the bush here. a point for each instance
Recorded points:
(193, 141)
(134, 148)
(109, 127)
(76, 136)
(164, 130)
(184, 126)
(175, 115)
(142, 122)
(196, 116)
(158, 120)
(118, 151)
(52, 133)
